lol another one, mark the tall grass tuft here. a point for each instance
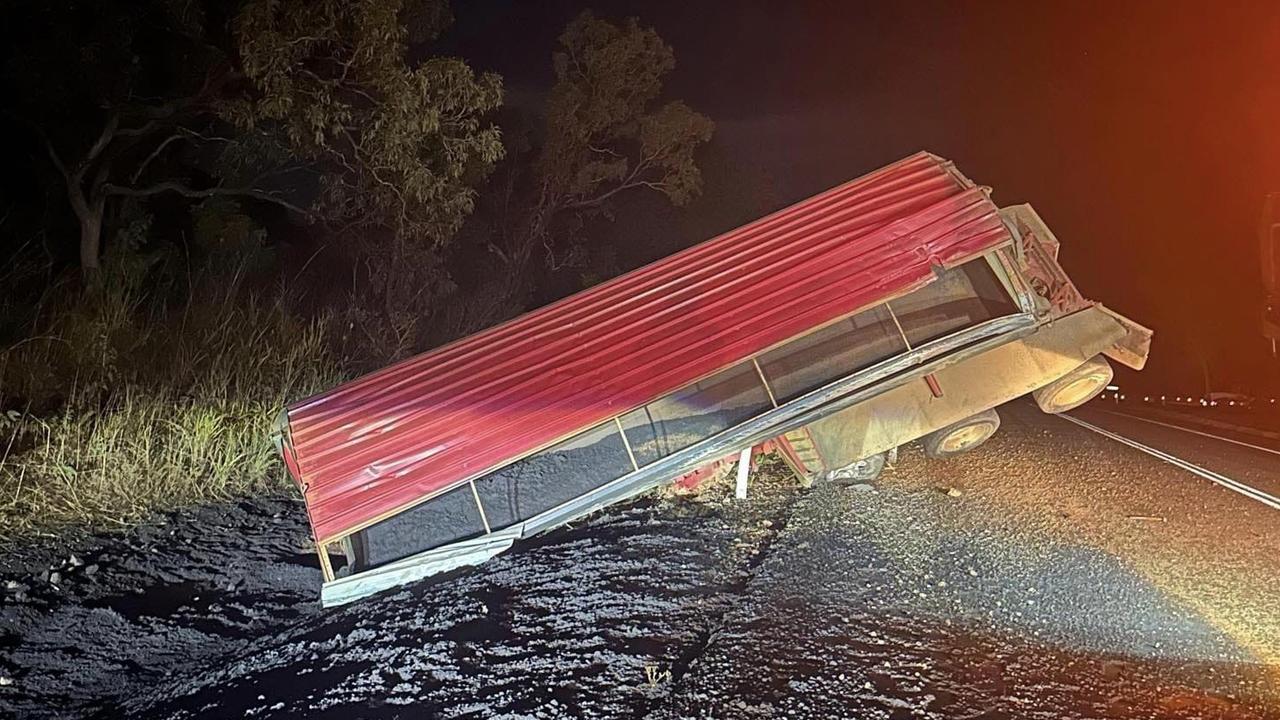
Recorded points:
(122, 404)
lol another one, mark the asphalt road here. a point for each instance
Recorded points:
(1250, 460)
(1054, 573)
(1070, 576)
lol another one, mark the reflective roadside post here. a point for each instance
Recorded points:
(744, 469)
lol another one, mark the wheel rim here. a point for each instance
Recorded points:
(1077, 391)
(964, 438)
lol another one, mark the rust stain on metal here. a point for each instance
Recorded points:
(934, 388)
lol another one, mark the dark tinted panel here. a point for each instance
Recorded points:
(695, 413)
(962, 297)
(450, 517)
(811, 361)
(559, 473)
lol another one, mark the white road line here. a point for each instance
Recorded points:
(1193, 432)
(1250, 492)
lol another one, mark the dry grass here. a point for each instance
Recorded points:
(148, 451)
(120, 405)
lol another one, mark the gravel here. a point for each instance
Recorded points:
(1028, 592)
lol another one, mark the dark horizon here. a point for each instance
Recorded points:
(1139, 133)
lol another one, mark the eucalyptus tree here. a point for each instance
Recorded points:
(316, 107)
(607, 133)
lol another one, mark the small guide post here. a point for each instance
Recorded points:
(744, 469)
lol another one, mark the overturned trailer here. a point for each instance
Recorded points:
(902, 305)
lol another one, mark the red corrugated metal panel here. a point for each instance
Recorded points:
(383, 441)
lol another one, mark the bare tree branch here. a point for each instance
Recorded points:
(145, 129)
(104, 138)
(142, 166)
(174, 186)
(53, 154)
(628, 183)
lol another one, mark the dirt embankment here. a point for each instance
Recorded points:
(103, 617)
(1025, 580)
(199, 609)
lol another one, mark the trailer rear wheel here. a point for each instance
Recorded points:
(859, 471)
(1076, 387)
(961, 437)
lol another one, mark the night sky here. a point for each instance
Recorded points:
(1144, 135)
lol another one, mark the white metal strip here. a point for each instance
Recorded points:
(415, 567)
(901, 332)
(744, 470)
(326, 567)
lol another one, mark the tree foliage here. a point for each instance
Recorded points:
(606, 133)
(312, 106)
(103, 85)
(399, 145)
(333, 111)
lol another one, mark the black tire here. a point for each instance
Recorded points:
(1076, 387)
(859, 471)
(961, 437)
